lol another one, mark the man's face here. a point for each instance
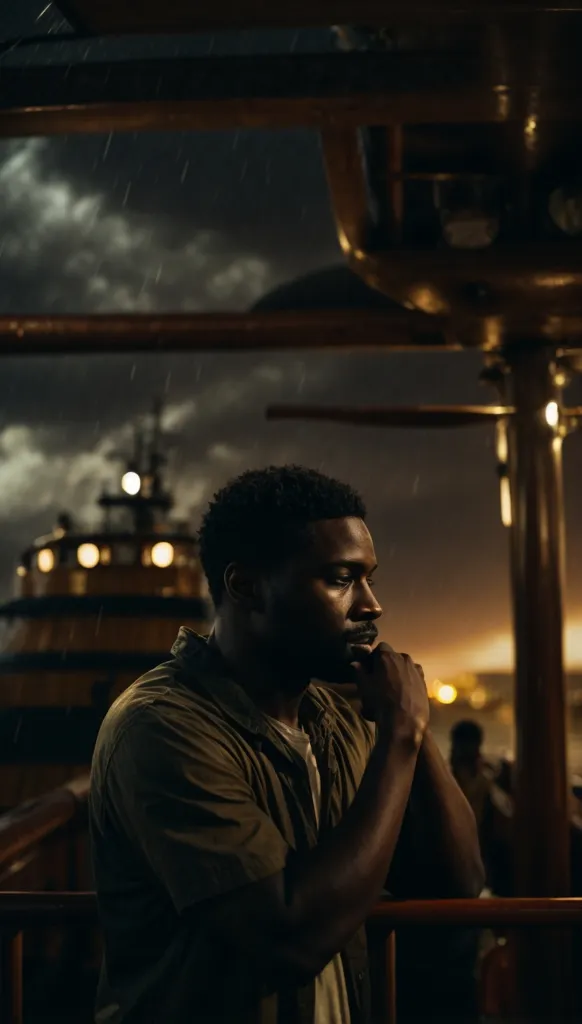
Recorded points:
(320, 604)
(468, 751)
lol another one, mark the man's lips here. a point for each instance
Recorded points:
(363, 642)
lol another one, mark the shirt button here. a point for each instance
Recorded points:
(361, 975)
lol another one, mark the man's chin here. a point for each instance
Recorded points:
(338, 674)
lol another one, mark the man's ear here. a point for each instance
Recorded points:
(242, 585)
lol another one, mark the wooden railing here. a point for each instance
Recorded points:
(25, 830)
(46, 828)
(21, 911)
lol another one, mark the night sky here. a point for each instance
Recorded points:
(211, 222)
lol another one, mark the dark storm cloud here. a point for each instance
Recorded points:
(211, 222)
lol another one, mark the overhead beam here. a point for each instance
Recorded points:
(184, 16)
(350, 330)
(309, 90)
(397, 416)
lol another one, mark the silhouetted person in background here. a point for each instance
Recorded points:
(492, 806)
(468, 765)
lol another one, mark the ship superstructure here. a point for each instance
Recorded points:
(92, 610)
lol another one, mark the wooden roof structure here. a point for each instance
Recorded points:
(160, 17)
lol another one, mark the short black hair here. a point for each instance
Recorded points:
(262, 517)
(466, 732)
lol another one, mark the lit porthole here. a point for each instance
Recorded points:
(88, 555)
(162, 554)
(45, 560)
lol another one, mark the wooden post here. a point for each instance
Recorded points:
(390, 977)
(542, 831)
(11, 1007)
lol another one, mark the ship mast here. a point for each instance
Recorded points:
(144, 499)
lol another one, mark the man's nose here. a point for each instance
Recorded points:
(367, 605)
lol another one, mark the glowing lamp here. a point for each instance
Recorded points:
(478, 698)
(131, 483)
(45, 560)
(446, 694)
(501, 442)
(505, 499)
(88, 556)
(162, 554)
(552, 414)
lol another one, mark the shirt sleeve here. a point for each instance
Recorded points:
(182, 797)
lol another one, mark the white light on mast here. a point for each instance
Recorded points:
(131, 483)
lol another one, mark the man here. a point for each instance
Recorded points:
(243, 820)
(469, 767)
(492, 807)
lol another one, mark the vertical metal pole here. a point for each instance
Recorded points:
(390, 977)
(542, 832)
(11, 1007)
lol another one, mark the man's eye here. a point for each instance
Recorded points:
(342, 581)
(371, 581)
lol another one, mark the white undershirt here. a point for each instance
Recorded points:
(331, 996)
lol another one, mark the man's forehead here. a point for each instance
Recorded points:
(342, 540)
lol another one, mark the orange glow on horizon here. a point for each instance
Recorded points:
(493, 653)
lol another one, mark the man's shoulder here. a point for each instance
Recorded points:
(157, 704)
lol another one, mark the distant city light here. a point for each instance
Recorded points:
(88, 555)
(446, 694)
(552, 414)
(131, 483)
(45, 560)
(505, 498)
(478, 698)
(162, 554)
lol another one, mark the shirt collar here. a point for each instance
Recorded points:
(205, 665)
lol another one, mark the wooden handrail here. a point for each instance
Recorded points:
(38, 909)
(21, 910)
(22, 828)
(479, 913)
(31, 909)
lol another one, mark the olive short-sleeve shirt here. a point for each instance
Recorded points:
(193, 795)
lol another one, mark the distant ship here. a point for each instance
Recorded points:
(93, 609)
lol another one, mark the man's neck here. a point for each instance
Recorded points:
(260, 682)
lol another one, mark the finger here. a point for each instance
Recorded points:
(362, 669)
(385, 647)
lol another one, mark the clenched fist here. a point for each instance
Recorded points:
(392, 690)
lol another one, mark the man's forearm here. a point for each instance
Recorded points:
(339, 880)
(443, 835)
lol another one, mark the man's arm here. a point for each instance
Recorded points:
(184, 801)
(296, 921)
(439, 855)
